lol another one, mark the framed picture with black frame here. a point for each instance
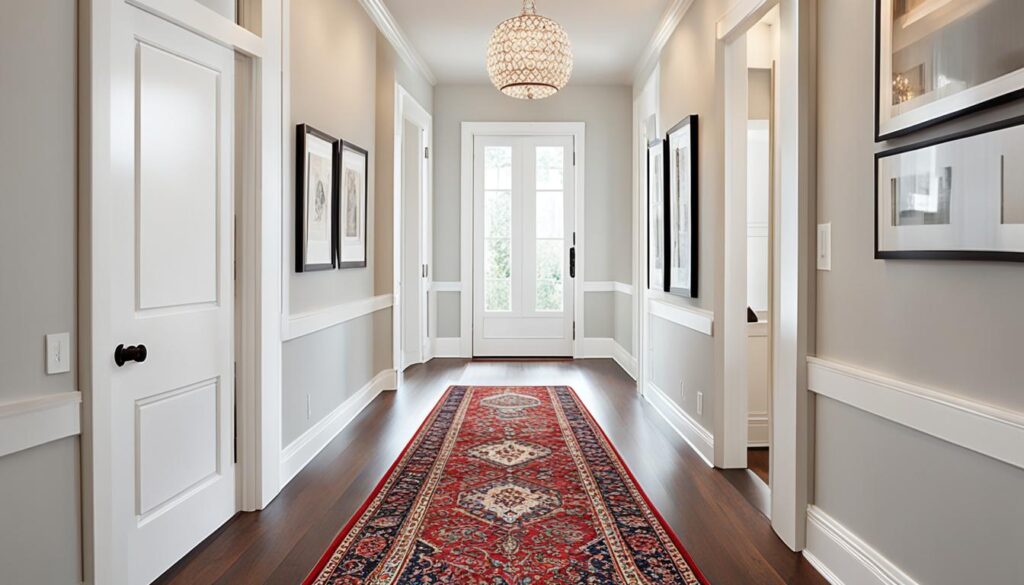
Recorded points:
(681, 208)
(959, 197)
(656, 190)
(939, 59)
(352, 203)
(316, 197)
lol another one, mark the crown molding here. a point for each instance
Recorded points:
(387, 25)
(669, 21)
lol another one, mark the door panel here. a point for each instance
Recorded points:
(172, 472)
(178, 189)
(523, 229)
(412, 250)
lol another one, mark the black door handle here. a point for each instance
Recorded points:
(133, 353)
(572, 262)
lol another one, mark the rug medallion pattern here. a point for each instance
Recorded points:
(507, 486)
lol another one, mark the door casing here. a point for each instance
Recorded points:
(408, 110)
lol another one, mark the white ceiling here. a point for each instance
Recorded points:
(608, 36)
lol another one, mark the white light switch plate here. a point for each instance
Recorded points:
(58, 353)
(825, 246)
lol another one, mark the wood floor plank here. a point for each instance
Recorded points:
(721, 526)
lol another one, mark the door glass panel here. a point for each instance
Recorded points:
(498, 168)
(498, 214)
(550, 268)
(550, 167)
(498, 240)
(550, 214)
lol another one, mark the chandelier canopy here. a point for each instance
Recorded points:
(529, 56)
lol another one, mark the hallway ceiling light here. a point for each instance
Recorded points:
(529, 56)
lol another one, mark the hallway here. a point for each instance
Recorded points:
(730, 541)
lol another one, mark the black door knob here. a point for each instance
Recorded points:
(133, 353)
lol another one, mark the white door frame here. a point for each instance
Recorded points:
(470, 130)
(408, 109)
(793, 273)
(259, 345)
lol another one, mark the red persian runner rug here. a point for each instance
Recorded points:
(507, 486)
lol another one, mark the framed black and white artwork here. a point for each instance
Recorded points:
(681, 209)
(959, 197)
(315, 199)
(656, 215)
(938, 59)
(352, 206)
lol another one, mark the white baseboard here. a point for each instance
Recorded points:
(843, 558)
(301, 451)
(608, 348)
(757, 430)
(702, 441)
(448, 347)
(35, 421)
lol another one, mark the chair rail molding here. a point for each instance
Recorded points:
(30, 422)
(607, 286)
(303, 324)
(700, 320)
(989, 430)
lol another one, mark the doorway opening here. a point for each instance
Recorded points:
(413, 233)
(522, 186)
(762, 58)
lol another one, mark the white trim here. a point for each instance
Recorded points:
(438, 286)
(609, 348)
(989, 430)
(666, 28)
(297, 455)
(689, 429)
(408, 109)
(31, 422)
(206, 23)
(607, 286)
(306, 323)
(844, 558)
(700, 320)
(382, 17)
(743, 15)
(470, 130)
(448, 347)
(758, 430)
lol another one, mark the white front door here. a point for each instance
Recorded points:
(414, 245)
(524, 193)
(170, 235)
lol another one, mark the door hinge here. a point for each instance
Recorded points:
(426, 270)
(574, 331)
(426, 152)
(574, 158)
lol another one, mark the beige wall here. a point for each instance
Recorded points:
(955, 326)
(40, 493)
(691, 83)
(342, 74)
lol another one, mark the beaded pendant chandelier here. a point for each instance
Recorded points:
(529, 56)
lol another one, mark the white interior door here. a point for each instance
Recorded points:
(414, 260)
(524, 193)
(169, 460)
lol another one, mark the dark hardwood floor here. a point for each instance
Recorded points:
(729, 539)
(757, 461)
